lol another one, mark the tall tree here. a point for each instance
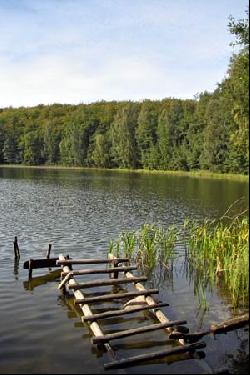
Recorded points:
(124, 147)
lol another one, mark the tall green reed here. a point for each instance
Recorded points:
(217, 253)
(147, 246)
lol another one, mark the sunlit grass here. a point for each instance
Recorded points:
(147, 246)
(192, 173)
(216, 254)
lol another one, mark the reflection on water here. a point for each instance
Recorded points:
(16, 267)
(32, 283)
(79, 212)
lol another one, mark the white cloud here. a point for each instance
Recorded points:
(74, 51)
(53, 79)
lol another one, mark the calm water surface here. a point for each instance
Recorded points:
(79, 212)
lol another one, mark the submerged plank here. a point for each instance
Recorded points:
(104, 282)
(110, 297)
(155, 355)
(110, 314)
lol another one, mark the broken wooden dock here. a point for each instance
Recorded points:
(140, 299)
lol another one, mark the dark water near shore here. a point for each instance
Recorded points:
(79, 212)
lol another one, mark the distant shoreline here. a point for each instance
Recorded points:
(195, 174)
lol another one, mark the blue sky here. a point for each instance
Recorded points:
(74, 51)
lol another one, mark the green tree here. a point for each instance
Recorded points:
(124, 147)
(33, 148)
(100, 154)
(146, 134)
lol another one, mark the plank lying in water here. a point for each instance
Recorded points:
(110, 297)
(99, 271)
(91, 261)
(104, 282)
(110, 314)
(41, 263)
(155, 355)
(135, 331)
(222, 327)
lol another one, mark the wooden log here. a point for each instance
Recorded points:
(150, 301)
(110, 297)
(64, 280)
(16, 248)
(48, 252)
(152, 356)
(99, 271)
(104, 282)
(134, 331)
(41, 263)
(94, 327)
(219, 328)
(230, 324)
(91, 261)
(116, 274)
(223, 370)
(30, 268)
(111, 314)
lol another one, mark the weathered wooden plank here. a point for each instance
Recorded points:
(230, 324)
(155, 355)
(110, 297)
(90, 261)
(222, 327)
(135, 331)
(105, 282)
(41, 263)
(98, 271)
(110, 314)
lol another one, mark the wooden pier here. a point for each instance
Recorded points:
(140, 299)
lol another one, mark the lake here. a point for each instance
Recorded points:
(78, 212)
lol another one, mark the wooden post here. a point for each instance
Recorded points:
(48, 252)
(30, 268)
(16, 248)
(116, 274)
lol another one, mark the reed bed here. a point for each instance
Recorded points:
(148, 246)
(216, 254)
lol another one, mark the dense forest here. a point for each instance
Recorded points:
(209, 132)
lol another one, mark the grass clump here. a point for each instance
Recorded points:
(148, 246)
(217, 255)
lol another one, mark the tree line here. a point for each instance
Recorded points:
(208, 132)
